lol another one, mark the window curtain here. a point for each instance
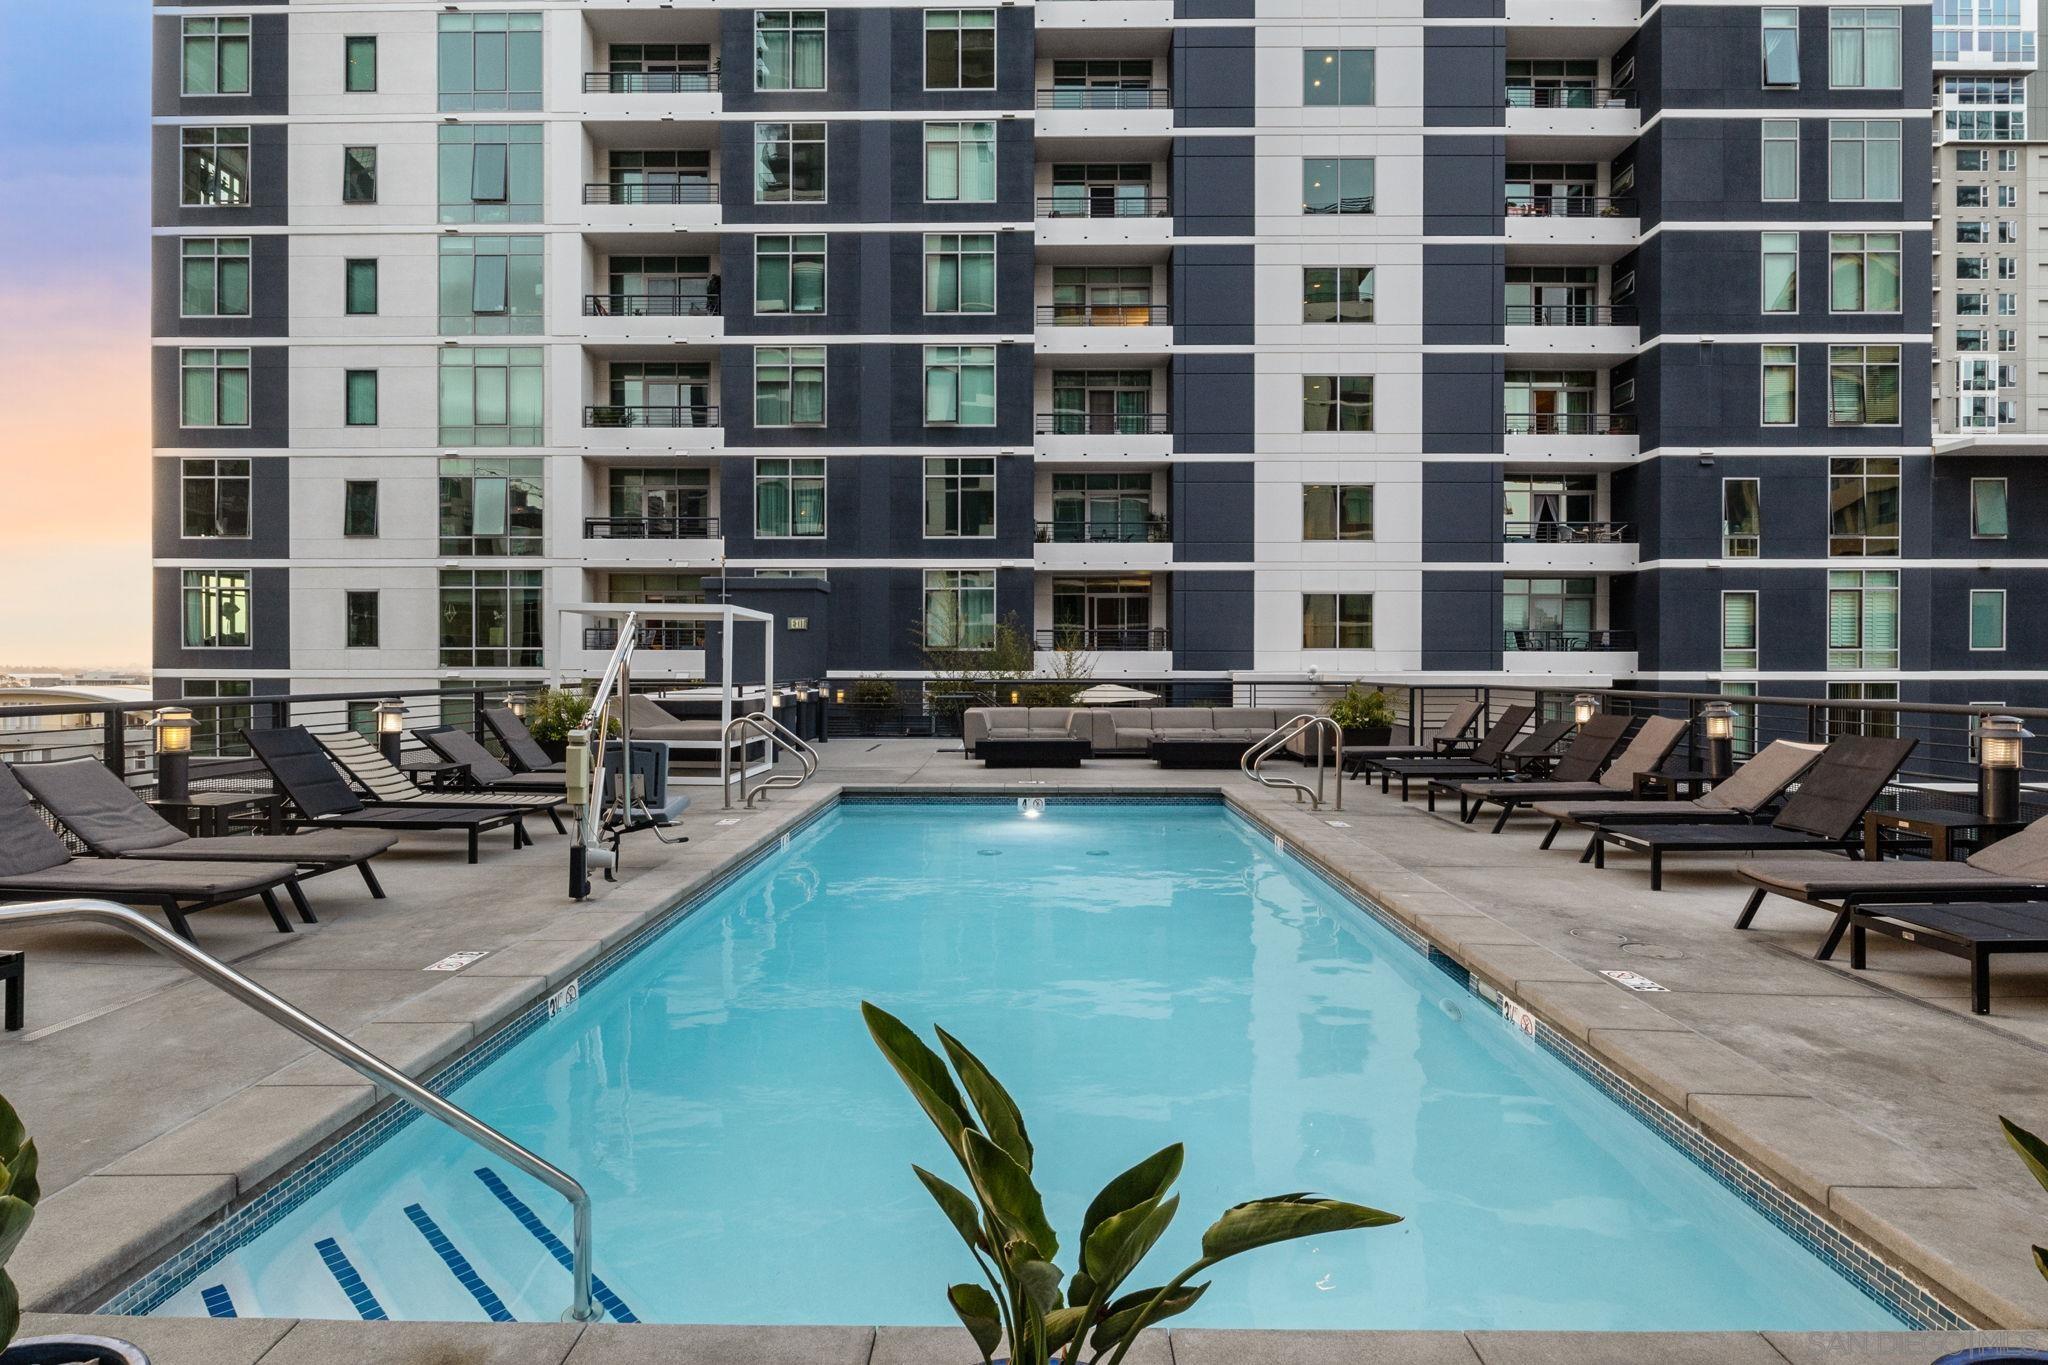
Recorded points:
(941, 393)
(1881, 281)
(1845, 58)
(1738, 621)
(1845, 393)
(942, 292)
(1845, 282)
(1781, 160)
(1131, 411)
(977, 396)
(807, 507)
(807, 286)
(1881, 156)
(1846, 152)
(941, 168)
(1318, 512)
(807, 394)
(977, 163)
(807, 60)
(771, 508)
(1318, 620)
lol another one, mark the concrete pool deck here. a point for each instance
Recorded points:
(1872, 1097)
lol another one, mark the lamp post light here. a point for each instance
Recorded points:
(173, 727)
(390, 714)
(1585, 706)
(1719, 719)
(2001, 749)
(516, 704)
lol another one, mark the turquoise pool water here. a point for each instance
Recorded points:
(1136, 975)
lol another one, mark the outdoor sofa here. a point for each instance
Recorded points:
(1120, 731)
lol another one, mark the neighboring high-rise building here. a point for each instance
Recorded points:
(1216, 339)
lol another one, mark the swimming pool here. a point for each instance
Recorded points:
(1136, 974)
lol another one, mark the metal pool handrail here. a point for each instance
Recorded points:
(368, 1064)
(772, 730)
(1255, 757)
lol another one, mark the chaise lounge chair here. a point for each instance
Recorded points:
(1976, 931)
(1535, 753)
(1653, 743)
(1825, 812)
(35, 862)
(1448, 734)
(485, 769)
(385, 785)
(520, 745)
(1744, 795)
(322, 796)
(1488, 756)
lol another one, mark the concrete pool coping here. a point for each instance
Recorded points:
(168, 1190)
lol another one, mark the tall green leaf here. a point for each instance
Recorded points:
(1006, 1188)
(12, 1134)
(20, 1175)
(1148, 1179)
(1120, 1241)
(1123, 1313)
(957, 1205)
(1262, 1222)
(978, 1313)
(15, 1216)
(922, 1072)
(10, 1310)
(1000, 1116)
(2032, 1150)
(1041, 1281)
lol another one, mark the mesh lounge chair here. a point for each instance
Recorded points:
(113, 822)
(1825, 812)
(2009, 870)
(316, 787)
(1535, 750)
(1653, 743)
(1434, 742)
(1745, 794)
(484, 768)
(35, 862)
(1489, 756)
(387, 786)
(520, 745)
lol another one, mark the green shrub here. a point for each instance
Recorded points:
(1357, 710)
(553, 712)
(873, 692)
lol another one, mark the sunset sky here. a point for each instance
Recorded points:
(74, 289)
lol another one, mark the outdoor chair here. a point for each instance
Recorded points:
(1489, 756)
(1653, 743)
(1743, 796)
(485, 769)
(385, 785)
(1534, 752)
(1449, 733)
(519, 744)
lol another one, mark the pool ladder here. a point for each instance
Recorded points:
(1255, 757)
(774, 731)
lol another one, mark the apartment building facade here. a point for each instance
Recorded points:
(1212, 339)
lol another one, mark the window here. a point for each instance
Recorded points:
(1781, 159)
(215, 608)
(1987, 618)
(960, 608)
(1342, 75)
(789, 49)
(1336, 511)
(2008, 268)
(359, 397)
(358, 65)
(1781, 48)
(789, 163)
(1973, 305)
(1973, 267)
(789, 386)
(1336, 293)
(2008, 305)
(789, 274)
(1863, 505)
(217, 730)
(959, 49)
(2008, 159)
(359, 616)
(1781, 272)
(1107, 295)
(1863, 386)
(1738, 630)
(359, 287)
(960, 163)
(2008, 339)
(960, 272)
(1088, 508)
(1970, 339)
(1549, 613)
(214, 277)
(1336, 620)
(491, 507)
(959, 497)
(214, 167)
(789, 498)
(214, 499)
(1336, 184)
(359, 507)
(1973, 230)
(1742, 520)
(1780, 386)
(489, 62)
(1863, 159)
(491, 618)
(1971, 159)
(1971, 196)
(1863, 272)
(2008, 196)
(960, 386)
(658, 393)
(1863, 618)
(491, 395)
(1336, 402)
(491, 286)
(359, 175)
(490, 172)
(213, 389)
(216, 57)
(1987, 509)
(1863, 49)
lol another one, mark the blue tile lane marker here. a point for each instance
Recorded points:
(351, 1283)
(458, 1265)
(528, 1219)
(218, 1304)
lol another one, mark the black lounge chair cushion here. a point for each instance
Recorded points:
(1539, 791)
(1619, 812)
(2024, 854)
(149, 878)
(457, 747)
(1482, 759)
(1841, 784)
(305, 772)
(1746, 791)
(519, 741)
(1832, 878)
(26, 843)
(1590, 748)
(313, 846)
(98, 807)
(422, 817)
(1707, 838)
(388, 785)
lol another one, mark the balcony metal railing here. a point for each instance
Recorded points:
(1571, 315)
(657, 192)
(1103, 97)
(1573, 206)
(1569, 97)
(1106, 206)
(1357, 203)
(1107, 639)
(1571, 640)
(647, 306)
(1102, 424)
(650, 415)
(1149, 530)
(1571, 424)
(650, 528)
(1569, 533)
(649, 82)
(1102, 314)
(652, 635)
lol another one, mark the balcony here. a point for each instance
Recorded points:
(1577, 221)
(651, 317)
(652, 428)
(1578, 653)
(659, 635)
(652, 205)
(1579, 437)
(1550, 333)
(1105, 329)
(1570, 424)
(1573, 112)
(650, 528)
(1113, 651)
(1082, 435)
(1569, 546)
(1135, 543)
(650, 82)
(1104, 219)
(662, 649)
(1103, 111)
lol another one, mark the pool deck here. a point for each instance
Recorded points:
(1872, 1097)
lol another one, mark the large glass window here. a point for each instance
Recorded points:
(359, 287)
(359, 398)
(959, 49)
(491, 395)
(1104, 296)
(789, 163)
(1863, 618)
(213, 277)
(1988, 519)
(492, 507)
(1863, 272)
(359, 508)
(960, 608)
(359, 620)
(789, 273)
(359, 175)
(657, 393)
(217, 730)
(1738, 630)
(1103, 507)
(490, 173)
(1863, 505)
(1103, 402)
(1336, 293)
(1550, 402)
(490, 62)
(1780, 159)
(959, 496)
(1336, 402)
(789, 49)
(1337, 75)
(215, 608)
(663, 501)
(659, 68)
(213, 388)
(1781, 48)
(1987, 618)
(789, 498)
(959, 272)
(1549, 508)
(1103, 190)
(789, 386)
(1556, 83)
(1863, 159)
(1336, 620)
(1863, 386)
(960, 386)
(214, 499)
(1549, 613)
(1742, 518)
(213, 167)
(1336, 511)
(659, 175)
(659, 286)
(960, 163)
(491, 286)
(216, 56)
(1781, 272)
(359, 65)
(1336, 184)
(491, 618)
(1863, 49)
(1780, 386)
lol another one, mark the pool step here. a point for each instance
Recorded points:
(219, 1303)
(344, 1272)
(528, 1219)
(459, 1266)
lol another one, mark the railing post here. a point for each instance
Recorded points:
(113, 731)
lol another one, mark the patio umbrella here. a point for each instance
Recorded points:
(1109, 694)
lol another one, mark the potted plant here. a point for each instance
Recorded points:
(19, 1194)
(874, 701)
(551, 714)
(1044, 1313)
(2034, 1154)
(1366, 717)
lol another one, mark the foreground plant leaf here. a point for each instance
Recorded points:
(1006, 1188)
(1000, 1116)
(1116, 1246)
(1148, 1179)
(1283, 1218)
(1041, 1281)
(1123, 1313)
(978, 1313)
(958, 1206)
(922, 1072)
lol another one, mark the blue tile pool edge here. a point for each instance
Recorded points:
(1907, 1300)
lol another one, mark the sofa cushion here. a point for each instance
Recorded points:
(1006, 717)
(1180, 718)
(1052, 721)
(1261, 718)
(1129, 717)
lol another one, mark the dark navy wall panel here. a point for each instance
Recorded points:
(1688, 394)
(1461, 512)
(1213, 186)
(269, 193)
(1211, 295)
(2026, 492)
(874, 60)
(874, 285)
(1461, 295)
(1212, 620)
(269, 513)
(1711, 170)
(269, 403)
(269, 290)
(1212, 77)
(1462, 179)
(1212, 511)
(874, 509)
(874, 396)
(1711, 57)
(1461, 404)
(1212, 404)
(1463, 72)
(270, 624)
(269, 72)
(1711, 283)
(1461, 620)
